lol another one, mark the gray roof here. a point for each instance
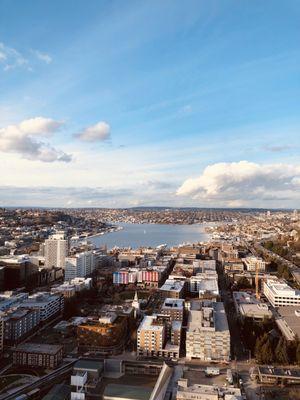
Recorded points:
(128, 392)
(89, 365)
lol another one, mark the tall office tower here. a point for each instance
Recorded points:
(79, 266)
(56, 250)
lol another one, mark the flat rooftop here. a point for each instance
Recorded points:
(279, 372)
(173, 304)
(148, 323)
(89, 365)
(115, 391)
(175, 286)
(39, 348)
(289, 321)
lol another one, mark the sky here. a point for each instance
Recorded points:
(150, 103)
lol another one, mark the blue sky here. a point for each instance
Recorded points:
(150, 103)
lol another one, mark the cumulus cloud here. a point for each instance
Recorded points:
(244, 182)
(95, 133)
(23, 139)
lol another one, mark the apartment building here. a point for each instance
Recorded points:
(156, 337)
(19, 323)
(204, 283)
(207, 336)
(48, 304)
(174, 308)
(253, 263)
(38, 355)
(173, 289)
(279, 293)
(80, 265)
(56, 250)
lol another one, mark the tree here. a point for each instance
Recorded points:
(281, 352)
(267, 356)
(243, 283)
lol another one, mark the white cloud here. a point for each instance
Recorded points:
(244, 183)
(46, 58)
(21, 139)
(95, 133)
(10, 58)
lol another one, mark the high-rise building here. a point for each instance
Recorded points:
(79, 266)
(56, 250)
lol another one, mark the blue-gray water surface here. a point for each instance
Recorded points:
(152, 235)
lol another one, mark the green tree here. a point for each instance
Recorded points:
(281, 352)
(267, 356)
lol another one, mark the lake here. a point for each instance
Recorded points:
(142, 235)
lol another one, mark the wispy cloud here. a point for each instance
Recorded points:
(10, 58)
(23, 139)
(46, 58)
(277, 148)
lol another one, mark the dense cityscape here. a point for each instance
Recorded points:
(149, 200)
(219, 318)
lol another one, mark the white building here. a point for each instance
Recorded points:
(252, 263)
(79, 266)
(56, 250)
(205, 392)
(207, 336)
(248, 306)
(204, 283)
(279, 293)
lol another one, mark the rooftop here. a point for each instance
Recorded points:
(127, 392)
(39, 348)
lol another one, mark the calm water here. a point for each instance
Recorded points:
(137, 235)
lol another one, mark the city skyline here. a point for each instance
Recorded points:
(123, 104)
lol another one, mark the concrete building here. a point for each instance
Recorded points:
(207, 336)
(279, 293)
(155, 338)
(56, 250)
(206, 392)
(172, 289)
(80, 265)
(248, 306)
(251, 263)
(203, 283)
(19, 323)
(38, 355)
(174, 308)
(48, 304)
(288, 321)
(69, 289)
